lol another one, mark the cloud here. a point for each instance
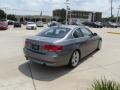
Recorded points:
(48, 5)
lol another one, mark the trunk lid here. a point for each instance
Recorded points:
(36, 43)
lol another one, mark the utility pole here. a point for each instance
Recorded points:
(118, 14)
(67, 5)
(111, 8)
(69, 14)
(41, 15)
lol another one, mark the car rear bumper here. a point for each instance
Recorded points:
(17, 25)
(3, 28)
(49, 60)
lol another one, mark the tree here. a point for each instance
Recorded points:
(11, 17)
(109, 19)
(2, 14)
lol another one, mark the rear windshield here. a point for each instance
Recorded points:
(55, 32)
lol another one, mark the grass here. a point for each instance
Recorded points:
(114, 33)
(105, 84)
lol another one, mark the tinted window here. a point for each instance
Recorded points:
(86, 32)
(77, 33)
(55, 32)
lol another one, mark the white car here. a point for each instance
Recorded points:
(31, 25)
(39, 24)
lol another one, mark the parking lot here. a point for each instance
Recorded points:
(16, 74)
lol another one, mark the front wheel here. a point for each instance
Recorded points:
(74, 61)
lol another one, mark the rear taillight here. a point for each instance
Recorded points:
(53, 48)
(26, 43)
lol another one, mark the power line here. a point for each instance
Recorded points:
(6, 8)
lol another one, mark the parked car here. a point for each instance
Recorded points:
(61, 45)
(31, 26)
(64, 23)
(110, 24)
(3, 25)
(114, 25)
(99, 24)
(76, 23)
(40, 24)
(93, 24)
(118, 24)
(17, 24)
(10, 22)
(53, 23)
(24, 22)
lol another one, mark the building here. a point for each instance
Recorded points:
(89, 16)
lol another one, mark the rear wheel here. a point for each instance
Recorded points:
(74, 61)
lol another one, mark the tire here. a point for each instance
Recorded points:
(99, 45)
(75, 58)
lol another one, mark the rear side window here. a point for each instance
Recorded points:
(55, 32)
(77, 33)
(86, 32)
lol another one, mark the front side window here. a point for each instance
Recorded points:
(55, 32)
(86, 32)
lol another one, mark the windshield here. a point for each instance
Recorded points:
(55, 32)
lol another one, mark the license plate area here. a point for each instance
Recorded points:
(35, 47)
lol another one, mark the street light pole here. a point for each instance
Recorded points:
(67, 5)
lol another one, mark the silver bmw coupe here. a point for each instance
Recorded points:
(61, 45)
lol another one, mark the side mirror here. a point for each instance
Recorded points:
(95, 34)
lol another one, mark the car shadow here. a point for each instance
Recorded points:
(45, 73)
(88, 56)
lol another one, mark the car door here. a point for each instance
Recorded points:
(91, 39)
(80, 41)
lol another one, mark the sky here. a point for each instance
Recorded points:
(47, 6)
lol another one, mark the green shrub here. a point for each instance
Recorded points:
(105, 84)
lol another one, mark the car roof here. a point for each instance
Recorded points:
(70, 26)
(39, 21)
(30, 22)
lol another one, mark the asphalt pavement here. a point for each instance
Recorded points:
(18, 74)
